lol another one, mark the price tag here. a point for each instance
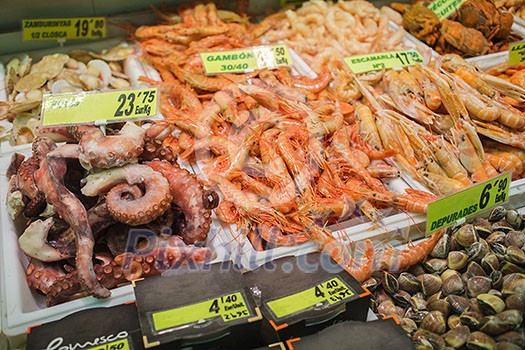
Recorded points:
(116, 345)
(64, 28)
(445, 8)
(323, 294)
(246, 60)
(516, 53)
(449, 210)
(229, 307)
(110, 106)
(384, 60)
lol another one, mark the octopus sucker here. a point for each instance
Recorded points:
(42, 276)
(188, 193)
(122, 197)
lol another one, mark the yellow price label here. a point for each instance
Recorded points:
(108, 106)
(246, 60)
(64, 28)
(516, 53)
(445, 8)
(327, 293)
(383, 60)
(121, 344)
(229, 307)
(450, 209)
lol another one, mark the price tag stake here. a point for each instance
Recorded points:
(64, 28)
(322, 295)
(483, 196)
(109, 106)
(383, 60)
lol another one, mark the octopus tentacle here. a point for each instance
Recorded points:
(14, 164)
(100, 151)
(56, 133)
(170, 252)
(42, 276)
(188, 194)
(122, 197)
(50, 180)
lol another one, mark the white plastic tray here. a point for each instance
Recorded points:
(23, 308)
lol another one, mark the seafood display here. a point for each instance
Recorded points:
(99, 216)
(477, 28)
(280, 158)
(323, 33)
(27, 81)
(513, 6)
(469, 292)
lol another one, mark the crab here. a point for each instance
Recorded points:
(467, 41)
(420, 21)
(483, 16)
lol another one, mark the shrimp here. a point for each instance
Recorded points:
(367, 126)
(273, 234)
(395, 260)
(505, 161)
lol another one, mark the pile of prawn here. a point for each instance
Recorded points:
(323, 32)
(453, 124)
(285, 151)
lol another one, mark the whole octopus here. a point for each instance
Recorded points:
(83, 199)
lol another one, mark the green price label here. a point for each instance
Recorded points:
(383, 60)
(229, 307)
(445, 8)
(448, 210)
(246, 60)
(327, 293)
(109, 106)
(516, 53)
(64, 28)
(121, 344)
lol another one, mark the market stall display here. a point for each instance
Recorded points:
(292, 153)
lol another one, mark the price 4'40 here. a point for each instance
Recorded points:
(131, 104)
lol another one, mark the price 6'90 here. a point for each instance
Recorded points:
(484, 198)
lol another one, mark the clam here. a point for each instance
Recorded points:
(499, 249)
(457, 337)
(507, 346)
(515, 255)
(513, 218)
(515, 238)
(408, 282)
(440, 305)
(483, 227)
(416, 269)
(513, 284)
(475, 269)
(423, 344)
(478, 250)
(513, 318)
(408, 325)
(430, 284)
(480, 341)
(490, 262)
(458, 303)
(442, 247)
(516, 337)
(496, 293)
(370, 284)
(453, 321)
(401, 298)
(435, 265)
(490, 304)
(497, 237)
(435, 339)
(418, 302)
(388, 307)
(434, 322)
(516, 302)
(453, 285)
(416, 315)
(477, 285)
(493, 325)
(101, 70)
(466, 235)
(508, 268)
(390, 283)
(456, 260)
(471, 319)
(502, 225)
(497, 213)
